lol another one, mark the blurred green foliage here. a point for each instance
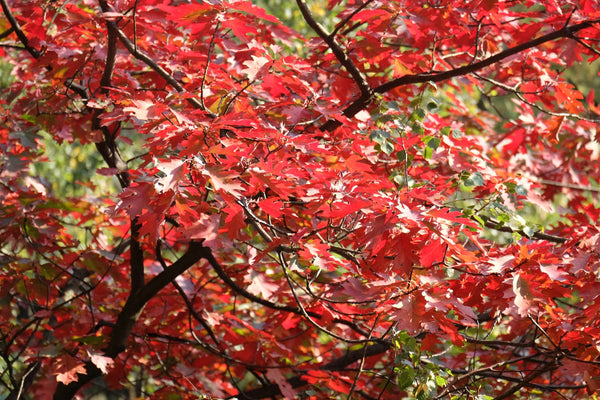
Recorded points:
(5, 74)
(70, 169)
(288, 13)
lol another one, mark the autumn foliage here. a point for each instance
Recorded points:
(400, 203)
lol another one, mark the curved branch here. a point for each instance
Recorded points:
(184, 296)
(7, 32)
(565, 32)
(305, 312)
(362, 102)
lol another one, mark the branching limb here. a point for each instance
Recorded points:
(305, 313)
(461, 375)
(522, 98)
(523, 382)
(565, 32)
(185, 298)
(26, 381)
(129, 315)
(136, 301)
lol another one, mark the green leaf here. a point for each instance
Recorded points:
(528, 231)
(479, 219)
(521, 190)
(440, 381)
(432, 104)
(418, 114)
(379, 136)
(427, 153)
(402, 156)
(387, 147)
(475, 179)
(434, 142)
(406, 377)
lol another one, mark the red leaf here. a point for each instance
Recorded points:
(256, 67)
(272, 206)
(100, 361)
(523, 295)
(223, 182)
(67, 368)
(174, 172)
(433, 252)
(453, 216)
(249, 8)
(261, 285)
(285, 387)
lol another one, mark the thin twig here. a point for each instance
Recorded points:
(305, 313)
(570, 186)
(208, 56)
(155, 67)
(135, 25)
(349, 17)
(522, 98)
(362, 359)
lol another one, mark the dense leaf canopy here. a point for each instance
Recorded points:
(397, 202)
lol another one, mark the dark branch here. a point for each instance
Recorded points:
(7, 32)
(185, 298)
(137, 301)
(129, 315)
(565, 32)
(136, 257)
(349, 17)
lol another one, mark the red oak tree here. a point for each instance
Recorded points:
(400, 204)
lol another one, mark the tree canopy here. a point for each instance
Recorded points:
(389, 199)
